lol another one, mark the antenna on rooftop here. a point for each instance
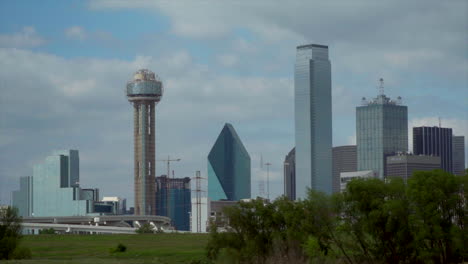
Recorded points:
(381, 86)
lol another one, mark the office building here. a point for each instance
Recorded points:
(22, 199)
(344, 160)
(434, 141)
(173, 199)
(381, 131)
(346, 177)
(228, 167)
(290, 175)
(458, 155)
(313, 119)
(120, 204)
(56, 190)
(404, 165)
(144, 92)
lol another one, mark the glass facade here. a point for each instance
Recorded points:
(22, 199)
(381, 130)
(228, 167)
(313, 119)
(434, 141)
(290, 175)
(173, 199)
(56, 187)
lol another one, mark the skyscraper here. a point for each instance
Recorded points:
(381, 130)
(458, 156)
(228, 167)
(22, 199)
(344, 160)
(177, 192)
(144, 92)
(434, 141)
(53, 191)
(290, 175)
(313, 119)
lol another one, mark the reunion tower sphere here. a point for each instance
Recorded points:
(144, 92)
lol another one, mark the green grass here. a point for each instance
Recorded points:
(157, 248)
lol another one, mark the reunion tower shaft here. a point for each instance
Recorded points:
(144, 92)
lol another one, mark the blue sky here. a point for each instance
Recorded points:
(64, 65)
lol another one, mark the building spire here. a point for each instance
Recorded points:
(381, 86)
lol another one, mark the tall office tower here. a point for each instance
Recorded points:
(344, 160)
(56, 190)
(458, 155)
(381, 131)
(22, 199)
(404, 165)
(144, 92)
(434, 141)
(290, 175)
(228, 167)
(313, 119)
(173, 199)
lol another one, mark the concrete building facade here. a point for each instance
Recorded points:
(144, 92)
(404, 165)
(22, 199)
(458, 155)
(344, 160)
(313, 119)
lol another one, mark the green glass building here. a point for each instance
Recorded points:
(228, 167)
(381, 131)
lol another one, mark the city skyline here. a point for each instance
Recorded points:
(62, 78)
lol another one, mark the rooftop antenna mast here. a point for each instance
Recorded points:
(381, 86)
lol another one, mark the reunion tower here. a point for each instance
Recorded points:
(144, 92)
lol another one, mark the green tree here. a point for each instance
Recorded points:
(146, 228)
(10, 232)
(376, 215)
(439, 202)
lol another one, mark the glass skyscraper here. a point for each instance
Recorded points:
(290, 175)
(344, 160)
(228, 167)
(173, 199)
(434, 141)
(381, 131)
(313, 119)
(458, 155)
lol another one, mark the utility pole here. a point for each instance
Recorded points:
(168, 181)
(268, 180)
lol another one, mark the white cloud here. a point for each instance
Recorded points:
(26, 38)
(76, 33)
(227, 60)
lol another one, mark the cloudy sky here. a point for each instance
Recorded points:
(64, 66)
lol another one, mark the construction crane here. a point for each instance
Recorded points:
(168, 162)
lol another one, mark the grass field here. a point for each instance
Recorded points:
(158, 248)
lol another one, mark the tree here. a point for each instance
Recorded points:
(146, 228)
(439, 203)
(10, 232)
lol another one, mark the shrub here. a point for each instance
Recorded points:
(21, 253)
(145, 229)
(47, 231)
(120, 248)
